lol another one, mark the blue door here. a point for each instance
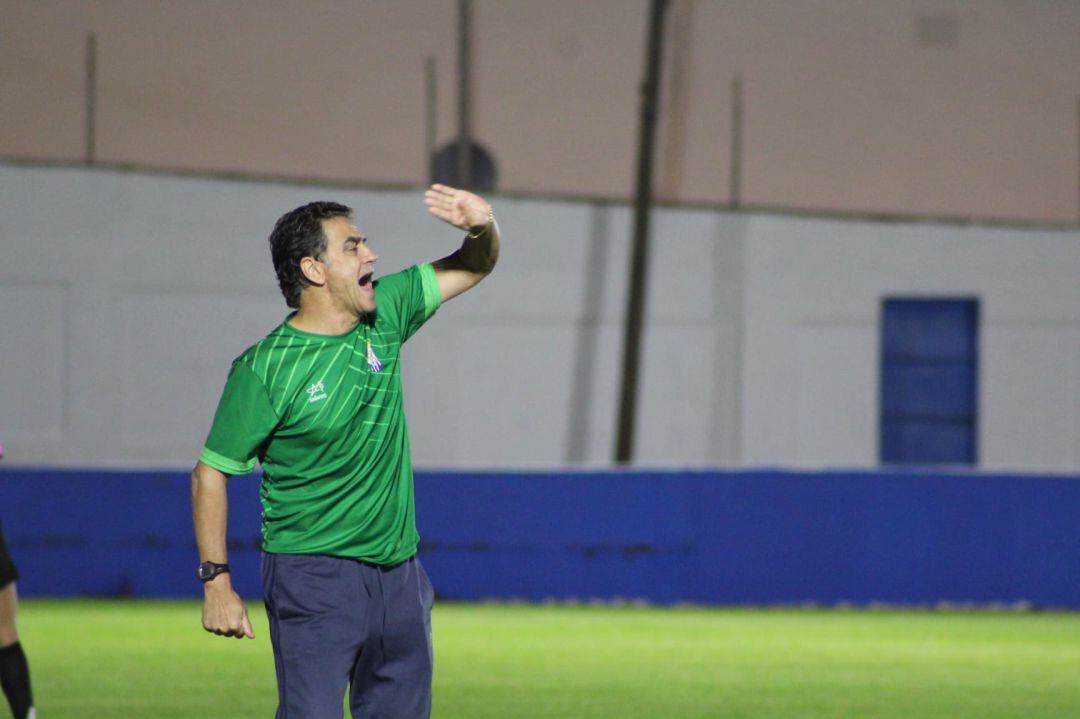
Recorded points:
(929, 381)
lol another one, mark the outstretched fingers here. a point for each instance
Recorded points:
(443, 202)
(460, 208)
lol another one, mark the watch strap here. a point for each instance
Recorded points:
(209, 570)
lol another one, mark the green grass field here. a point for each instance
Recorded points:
(151, 660)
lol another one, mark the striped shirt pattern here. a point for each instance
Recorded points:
(325, 416)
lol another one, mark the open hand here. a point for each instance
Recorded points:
(460, 208)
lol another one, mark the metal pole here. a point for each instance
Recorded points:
(430, 117)
(91, 97)
(635, 296)
(464, 157)
(736, 140)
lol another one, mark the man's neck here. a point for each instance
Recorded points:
(322, 321)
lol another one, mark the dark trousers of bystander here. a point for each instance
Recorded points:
(14, 669)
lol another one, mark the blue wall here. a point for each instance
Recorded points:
(755, 537)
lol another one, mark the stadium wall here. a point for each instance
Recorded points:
(738, 537)
(126, 295)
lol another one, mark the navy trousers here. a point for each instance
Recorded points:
(339, 623)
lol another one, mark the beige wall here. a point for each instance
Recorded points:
(848, 108)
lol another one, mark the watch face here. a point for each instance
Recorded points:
(209, 570)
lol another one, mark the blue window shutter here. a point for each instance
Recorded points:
(929, 381)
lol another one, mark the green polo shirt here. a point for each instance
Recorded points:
(325, 416)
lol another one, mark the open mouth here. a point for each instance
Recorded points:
(366, 280)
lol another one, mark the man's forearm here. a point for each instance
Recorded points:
(224, 612)
(210, 507)
(480, 251)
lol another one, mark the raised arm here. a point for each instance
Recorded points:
(224, 612)
(478, 253)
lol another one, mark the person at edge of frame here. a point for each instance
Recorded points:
(14, 669)
(318, 403)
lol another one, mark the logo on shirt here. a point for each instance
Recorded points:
(373, 362)
(316, 392)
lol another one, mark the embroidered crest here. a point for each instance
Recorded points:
(316, 392)
(373, 362)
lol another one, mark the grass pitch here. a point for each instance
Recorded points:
(151, 660)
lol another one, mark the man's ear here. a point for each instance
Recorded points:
(313, 270)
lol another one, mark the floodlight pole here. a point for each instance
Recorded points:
(90, 101)
(430, 116)
(635, 295)
(735, 179)
(464, 156)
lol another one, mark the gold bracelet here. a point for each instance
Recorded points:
(472, 235)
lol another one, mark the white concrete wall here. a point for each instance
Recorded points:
(124, 297)
(813, 303)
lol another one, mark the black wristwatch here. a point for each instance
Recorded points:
(209, 570)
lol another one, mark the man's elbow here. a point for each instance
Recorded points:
(205, 477)
(196, 482)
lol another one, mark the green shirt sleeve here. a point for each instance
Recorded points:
(408, 299)
(243, 422)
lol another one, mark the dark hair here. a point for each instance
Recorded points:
(299, 234)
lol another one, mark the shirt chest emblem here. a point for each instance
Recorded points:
(316, 392)
(373, 362)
